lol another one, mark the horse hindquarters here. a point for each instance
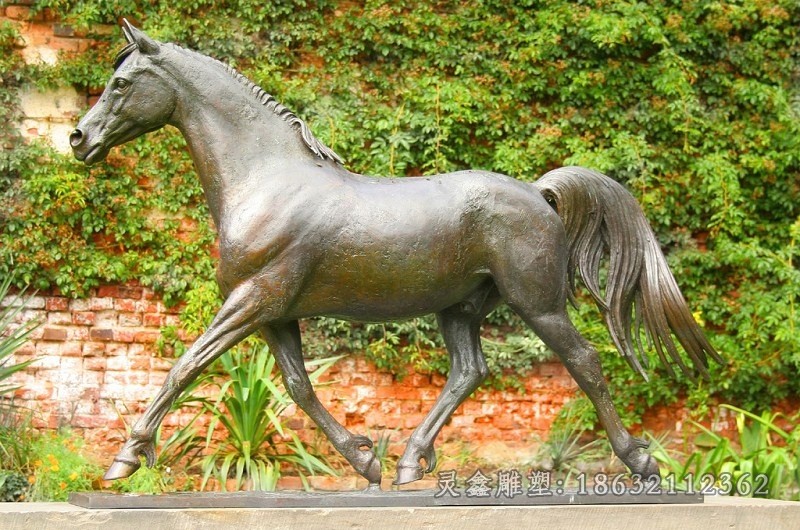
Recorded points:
(531, 275)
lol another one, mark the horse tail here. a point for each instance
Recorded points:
(601, 217)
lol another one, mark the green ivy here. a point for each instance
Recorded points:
(694, 105)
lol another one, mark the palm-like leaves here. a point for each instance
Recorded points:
(12, 336)
(248, 407)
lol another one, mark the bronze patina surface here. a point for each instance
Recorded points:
(302, 236)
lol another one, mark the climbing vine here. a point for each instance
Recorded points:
(693, 105)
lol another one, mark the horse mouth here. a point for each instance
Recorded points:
(95, 154)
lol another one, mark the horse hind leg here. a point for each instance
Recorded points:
(285, 344)
(582, 361)
(460, 327)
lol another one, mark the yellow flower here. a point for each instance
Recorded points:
(63, 485)
(31, 479)
(74, 475)
(38, 463)
(54, 467)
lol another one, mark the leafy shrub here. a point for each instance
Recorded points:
(763, 462)
(13, 486)
(248, 407)
(12, 335)
(59, 466)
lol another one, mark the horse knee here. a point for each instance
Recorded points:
(465, 382)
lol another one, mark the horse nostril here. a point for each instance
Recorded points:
(76, 138)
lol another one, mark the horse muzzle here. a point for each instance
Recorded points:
(83, 150)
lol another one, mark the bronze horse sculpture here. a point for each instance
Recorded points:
(301, 236)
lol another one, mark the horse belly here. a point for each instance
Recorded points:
(393, 281)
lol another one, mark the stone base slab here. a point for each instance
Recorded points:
(363, 499)
(715, 513)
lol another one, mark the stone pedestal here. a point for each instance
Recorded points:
(714, 513)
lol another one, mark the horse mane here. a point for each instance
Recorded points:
(312, 142)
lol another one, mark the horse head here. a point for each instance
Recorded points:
(137, 99)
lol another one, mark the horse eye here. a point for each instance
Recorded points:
(121, 84)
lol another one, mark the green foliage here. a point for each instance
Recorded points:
(248, 407)
(565, 448)
(764, 461)
(13, 486)
(693, 105)
(16, 453)
(12, 335)
(59, 466)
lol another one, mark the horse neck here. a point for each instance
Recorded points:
(231, 136)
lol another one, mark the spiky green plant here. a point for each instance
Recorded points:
(248, 408)
(13, 334)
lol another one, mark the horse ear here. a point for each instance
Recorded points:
(145, 44)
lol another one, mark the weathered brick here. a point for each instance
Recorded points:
(56, 303)
(384, 379)
(125, 304)
(108, 291)
(92, 377)
(140, 363)
(153, 320)
(79, 305)
(137, 349)
(124, 335)
(438, 380)
(150, 306)
(160, 363)
(35, 302)
(157, 378)
(101, 303)
(95, 364)
(131, 291)
(118, 364)
(26, 349)
(147, 336)
(72, 349)
(101, 334)
(417, 380)
(59, 318)
(118, 348)
(89, 421)
(18, 12)
(83, 318)
(130, 320)
(54, 334)
(48, 356)
(91, 349)
(105, 319)
(70, 367)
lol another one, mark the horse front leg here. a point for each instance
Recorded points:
(285, 344)
(460, 327)
(237, 319)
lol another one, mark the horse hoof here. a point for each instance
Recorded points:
(373, 474)
(406, 474)
(120, 469)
